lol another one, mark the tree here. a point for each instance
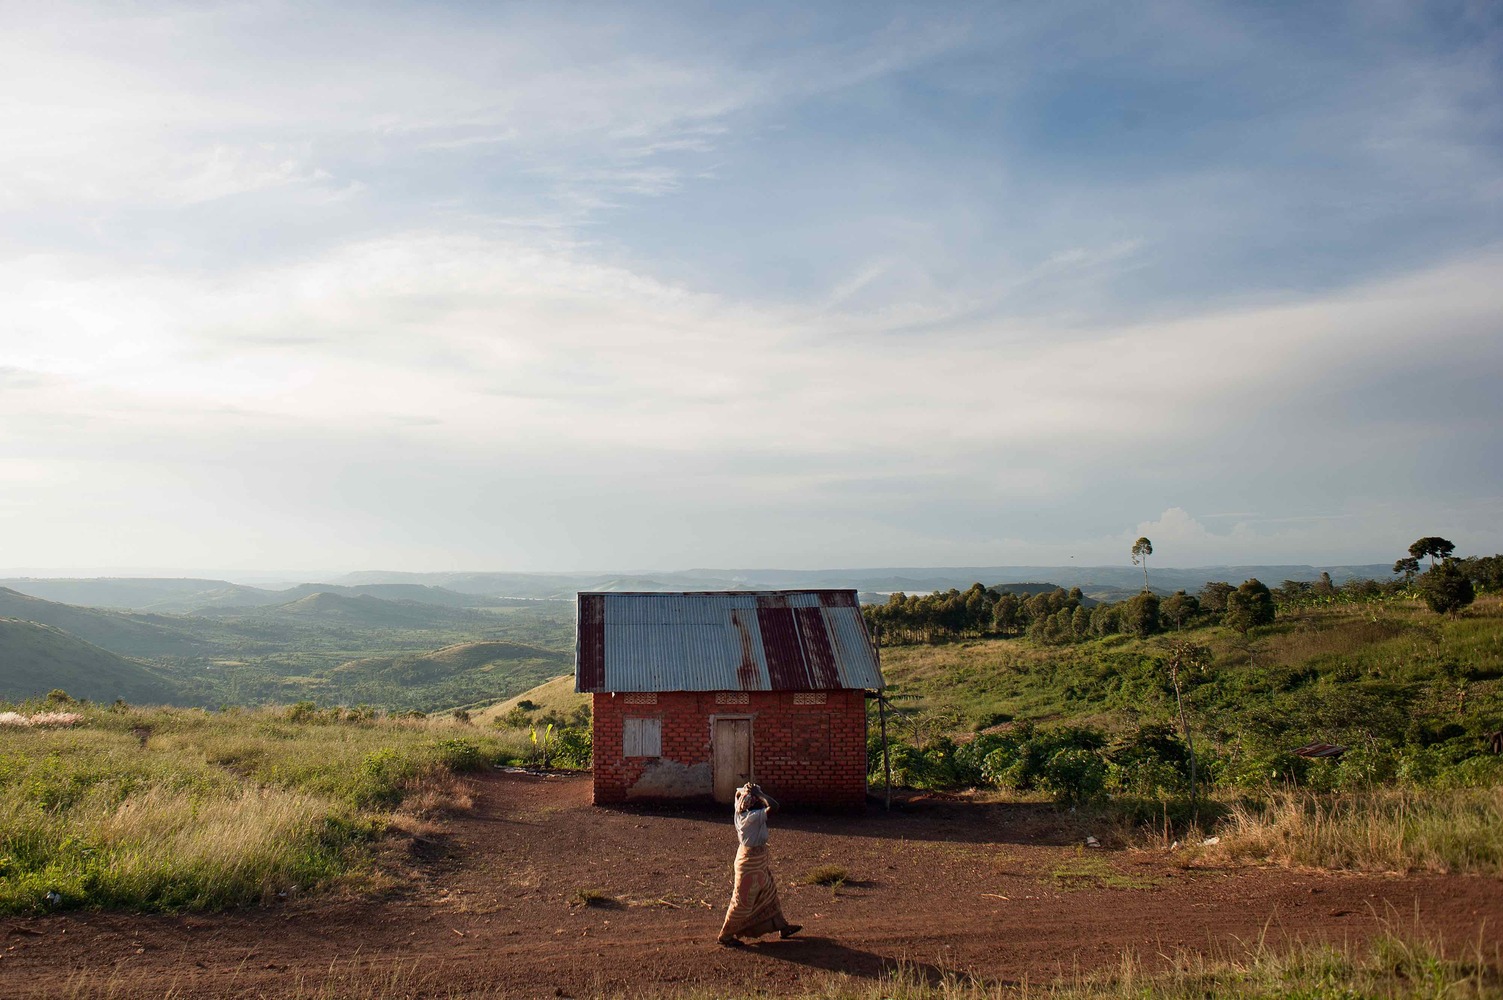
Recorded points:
(1408, 567)
(1141, 550)
(1485, 572)
(1186, 656)
(1433, 546)
(1249, 606)
(1213, 596)
(1006, 612)
(1140, 615)
(1446, 588)
(1179, 606)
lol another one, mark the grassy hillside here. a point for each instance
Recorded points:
(1414, 697)
(1397, 652)
(126, 634)
(38, 658)
(552, 697)
(461, 674)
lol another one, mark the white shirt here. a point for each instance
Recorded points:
(751, 827)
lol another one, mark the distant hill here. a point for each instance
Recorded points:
(185, 596)
(366, 611)
(1090, 579)
(119, 632)
(466, 673)
(38, 658)
(129, 593)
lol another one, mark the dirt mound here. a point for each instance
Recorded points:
(537, 893)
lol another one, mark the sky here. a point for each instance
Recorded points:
(444, 286)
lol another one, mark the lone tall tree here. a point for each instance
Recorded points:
(1141, 550)
(1433, 546)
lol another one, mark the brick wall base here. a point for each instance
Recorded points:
(804, 754)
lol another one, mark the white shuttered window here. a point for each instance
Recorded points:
(642, 738)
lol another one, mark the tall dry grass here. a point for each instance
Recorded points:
(173, 809)
(1454, 831)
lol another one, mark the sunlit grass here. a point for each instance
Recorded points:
(172, 808)
(1454, 831)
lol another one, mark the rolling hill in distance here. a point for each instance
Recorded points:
(500, 589)
(424, 641)
(38, 658)
(1103, 582)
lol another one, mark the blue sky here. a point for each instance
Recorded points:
(525, 286)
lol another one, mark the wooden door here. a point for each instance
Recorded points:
(733, 757)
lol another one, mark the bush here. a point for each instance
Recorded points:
(1066, 761)
(573, 748)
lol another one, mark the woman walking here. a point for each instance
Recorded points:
(754, 908)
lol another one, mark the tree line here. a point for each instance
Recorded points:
(1057, 615)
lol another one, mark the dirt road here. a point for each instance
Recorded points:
(947, 888)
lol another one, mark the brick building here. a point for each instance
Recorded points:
(696, 693)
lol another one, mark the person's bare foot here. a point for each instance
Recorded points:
(790, 930)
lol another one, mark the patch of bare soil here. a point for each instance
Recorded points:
(537, 893)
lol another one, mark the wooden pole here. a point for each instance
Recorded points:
(882, 715)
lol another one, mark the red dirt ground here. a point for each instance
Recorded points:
(944, 887)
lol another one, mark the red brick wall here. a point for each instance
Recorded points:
(803, 755)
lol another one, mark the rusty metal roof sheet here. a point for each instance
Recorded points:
(1318, 750)
(771, 640)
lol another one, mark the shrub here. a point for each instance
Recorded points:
(573, 748)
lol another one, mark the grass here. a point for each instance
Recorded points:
(1396, 649)
(1456, 831)
(555, 695)
(168, 809)
(1089, 871)
(1395, 965)
(833, 876)
(598, 898)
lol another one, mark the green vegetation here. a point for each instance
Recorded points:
(467, 674)
(328, 648)
(172, 808)
(1453, 830)
(38, 658)
(554, 700)
(1103, 704)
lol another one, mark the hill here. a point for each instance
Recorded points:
(129, 593)
(1093, 580)
(368, 611)
(466, 673)
(556, 695)
(1418, 694)
(39, 658)
(147, 636)
(188, 595)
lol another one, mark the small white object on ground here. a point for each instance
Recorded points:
(1092, 842)
(1209, 841)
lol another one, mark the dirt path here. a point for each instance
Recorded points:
(945, 888)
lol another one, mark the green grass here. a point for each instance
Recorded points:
(1412, 696)
(1091, 871)
(1395, 649)
(170, 809)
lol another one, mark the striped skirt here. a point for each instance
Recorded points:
(754, 908)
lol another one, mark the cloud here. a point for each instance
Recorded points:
(807, 286)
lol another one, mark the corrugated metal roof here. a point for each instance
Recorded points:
(769, 640)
